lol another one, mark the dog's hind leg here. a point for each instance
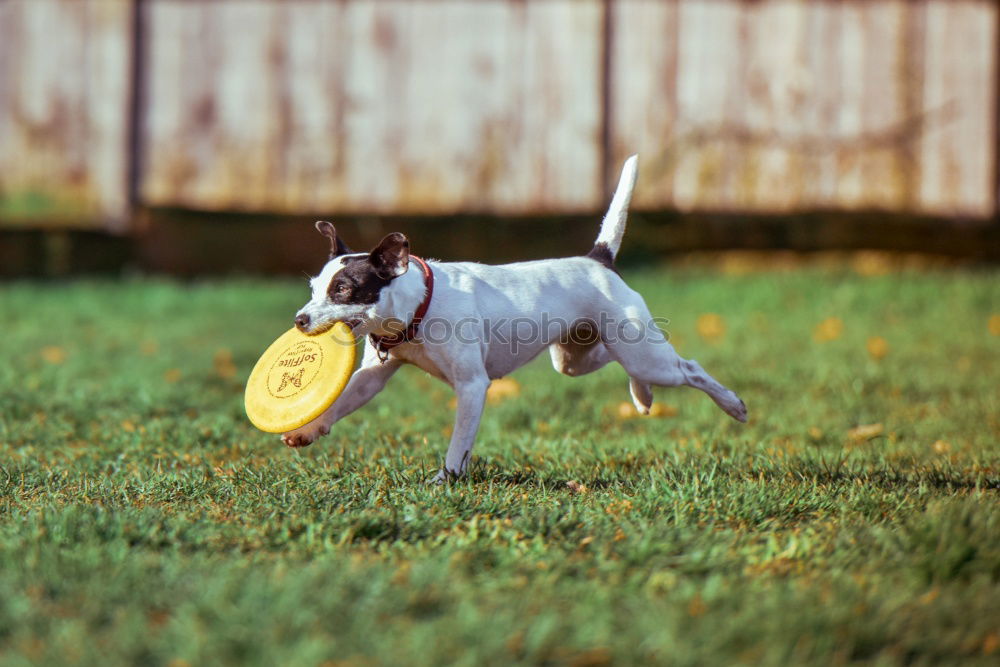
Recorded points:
(666, 369)
(650, 360)
(576, 360)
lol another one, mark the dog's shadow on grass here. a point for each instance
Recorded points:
(895, 480)
(528, 478)
(805, 473)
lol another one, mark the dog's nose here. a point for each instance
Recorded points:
(302, 321)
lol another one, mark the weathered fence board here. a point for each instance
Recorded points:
(958, 152)
(395, 106)
(64, 78)
(783, 105)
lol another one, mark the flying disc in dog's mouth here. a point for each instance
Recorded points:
(298, 377)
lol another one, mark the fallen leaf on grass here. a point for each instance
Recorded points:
(593, 657)
(515, 643)
(53, 354)
(864, 432)
(627, 410)
(223, 362)
(662, 410)
(697, 606)
(872, 263)
(498, 391)
(829, 329)
(502, 389)
(157, 618)
(402, 574)
(710, 326)
(878, 347)
(618, 507)
(930, 596)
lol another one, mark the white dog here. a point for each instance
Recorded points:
(468, 324)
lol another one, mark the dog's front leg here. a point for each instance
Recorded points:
(363, 385)
(471, 399)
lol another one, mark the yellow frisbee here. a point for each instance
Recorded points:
(298, 377)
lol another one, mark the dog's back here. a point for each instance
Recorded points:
(567, 288)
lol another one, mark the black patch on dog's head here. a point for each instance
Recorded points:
(356, 283)
(337, 247)
(601, 254)
(363, 276)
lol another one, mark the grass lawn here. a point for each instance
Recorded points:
(856, 517)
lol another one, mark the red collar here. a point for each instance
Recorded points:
(385, 343)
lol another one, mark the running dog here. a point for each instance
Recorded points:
(468, 324)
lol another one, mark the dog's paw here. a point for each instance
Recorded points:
(304, 436)
(738, 409)
(443, 476)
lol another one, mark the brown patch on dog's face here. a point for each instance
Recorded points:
(357, 283)
(364, 276)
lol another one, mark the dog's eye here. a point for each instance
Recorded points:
(343, 289)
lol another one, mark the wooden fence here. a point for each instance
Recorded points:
(497, 106)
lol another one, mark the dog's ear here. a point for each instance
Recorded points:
(337, 247)
(391, 257)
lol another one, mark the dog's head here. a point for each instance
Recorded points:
(356, 288)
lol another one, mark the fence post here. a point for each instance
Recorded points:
(996, 116)
(136, 110)
(605, 152)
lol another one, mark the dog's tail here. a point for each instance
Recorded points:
(613, 228)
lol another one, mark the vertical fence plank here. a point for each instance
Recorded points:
(773, 83)
(64, 68)
(705, 77)
(960, 75)
(643, 87)
(891, 128)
